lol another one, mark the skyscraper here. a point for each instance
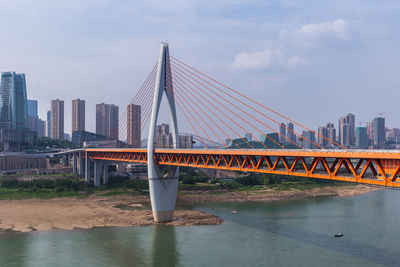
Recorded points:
(379, 133)
(331, 131)
(107, 120)
(33, 118)
(322, 132)
(290, 133)
(163, 138)
(114, 122)
(48, 124)
(13, 104)
(326, 132)
(57, 119)
(14, 132)
(361, 137)
(308, 140)
(370, 132)
(347, 130)
(33, 108)
(134, 127)
(393, 135)
(78, 115)
(185, 141)
(282, 133)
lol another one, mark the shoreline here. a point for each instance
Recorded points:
(32, 215)
(266, 195)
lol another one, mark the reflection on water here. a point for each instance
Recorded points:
(284, 233)
(163, 248)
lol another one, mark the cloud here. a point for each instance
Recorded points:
(257, 60)
(312, 34)
(307, 36)
(269, 58)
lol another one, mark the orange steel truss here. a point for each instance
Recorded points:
(369, 166)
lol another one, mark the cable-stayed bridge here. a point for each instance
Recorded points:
(222, 114)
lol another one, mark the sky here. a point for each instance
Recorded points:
(313, 61)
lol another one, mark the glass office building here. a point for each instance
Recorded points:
(13, 104)
(14, 132)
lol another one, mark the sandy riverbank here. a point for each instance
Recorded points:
(68, 213)
(272, 194)
(133, 210)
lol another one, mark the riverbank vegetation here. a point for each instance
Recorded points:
(68, 185)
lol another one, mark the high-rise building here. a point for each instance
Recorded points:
(114, 122)
(379, 133)
(134, 127)
(322, 132)
(185, 141)
(57, 119)
(78, 115)
(33, 108)
(282, 133)
(33, 118)
(290, 133)
(370, 133)
(361, 137)
(163, 138)
(393, 135)
(347, 130)
(13, 104)
(162, 129)
(14, 131)
(326, 134)
(107, 120)
(331, 131)
(41, 128)
(48, 124)
(308, 140)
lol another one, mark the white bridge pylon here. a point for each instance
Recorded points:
(163, 189)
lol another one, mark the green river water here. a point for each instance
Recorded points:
(283, 233)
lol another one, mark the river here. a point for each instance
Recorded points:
(281, 233)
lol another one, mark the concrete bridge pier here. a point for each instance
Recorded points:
(81, 165)
(98, 168)
(87, 167)
(74, 163)
(105, 174)
(163, 197)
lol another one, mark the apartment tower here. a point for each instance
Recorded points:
(78, 115)
(57, 119)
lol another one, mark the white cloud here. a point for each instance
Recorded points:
(269, 58)
(257, 60)
(311, 34)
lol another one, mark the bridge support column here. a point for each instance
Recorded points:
(74, 163)
(105, 174)
(98, 165)
(163, 197)
(87, 168)
(163, 189)
(81, 165)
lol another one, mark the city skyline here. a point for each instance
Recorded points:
(286, 61)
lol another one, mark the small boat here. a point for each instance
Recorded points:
(338, 235)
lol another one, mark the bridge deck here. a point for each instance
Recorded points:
(378, 167)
